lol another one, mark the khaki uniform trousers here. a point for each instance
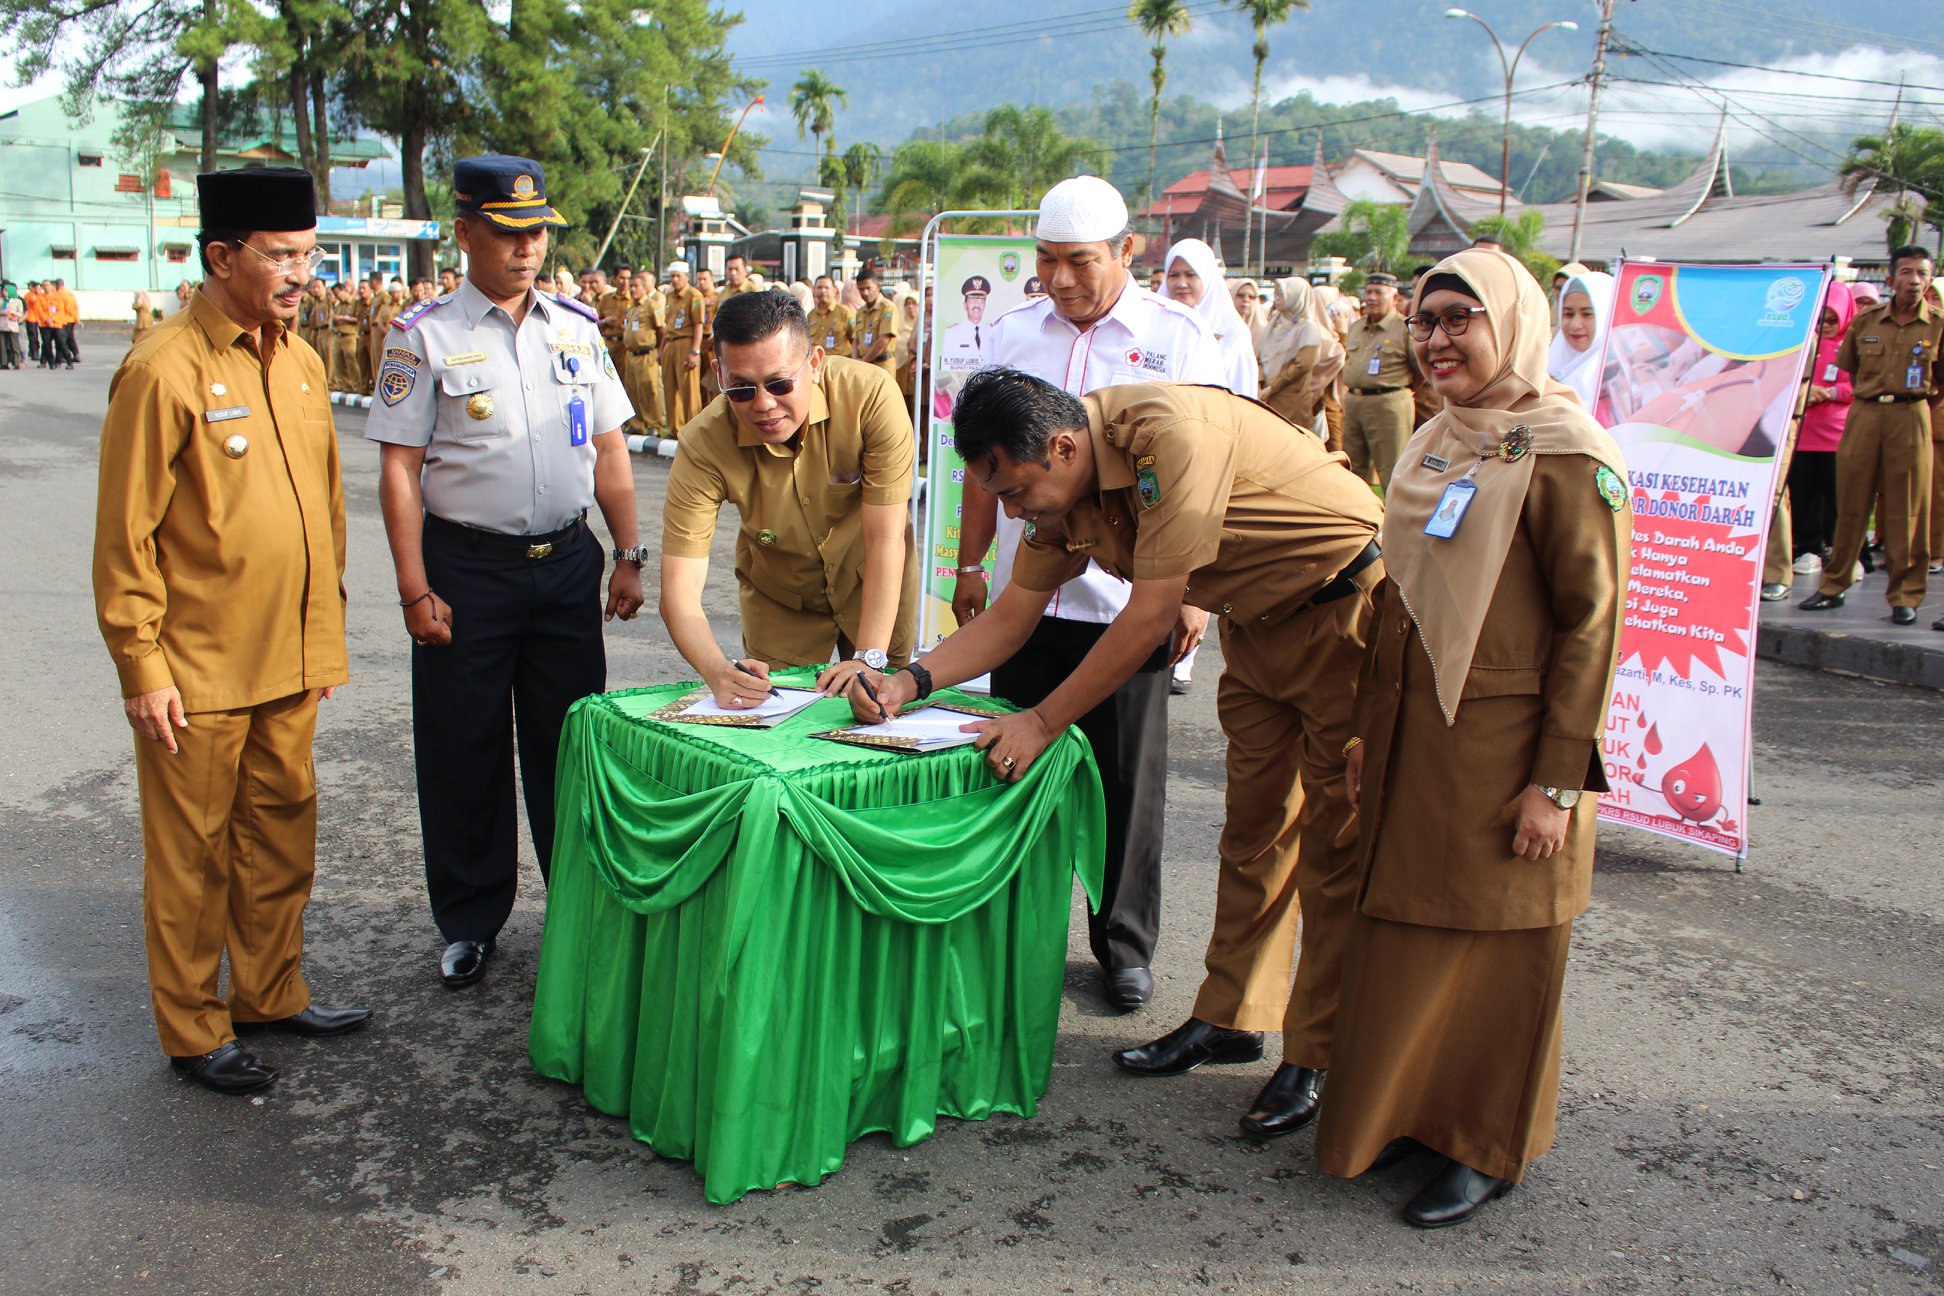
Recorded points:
(681, 386)
(1937, 496)
(1778, 560)
(347, 368)
(229, 840)
(1332, 412)
(1288, 850)
(643, 379)
(1375, 429)
(806, 635)
(1885, 459)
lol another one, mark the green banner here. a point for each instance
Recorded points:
(960, 326)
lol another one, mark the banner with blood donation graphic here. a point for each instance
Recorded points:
(1699, 386)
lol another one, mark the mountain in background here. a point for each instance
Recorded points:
(935, 70)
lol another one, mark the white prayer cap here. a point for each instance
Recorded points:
(674, 266)
(1084, 209)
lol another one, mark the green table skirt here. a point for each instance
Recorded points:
(760, 945)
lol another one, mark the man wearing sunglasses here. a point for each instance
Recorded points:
(815, 453)
(218, 577)
(499, 418)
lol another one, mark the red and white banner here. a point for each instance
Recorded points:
(1699, 385)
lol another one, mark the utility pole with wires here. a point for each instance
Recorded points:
(1592, 122)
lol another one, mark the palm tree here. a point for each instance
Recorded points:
(1027, 146)
(814, 101)
(1519, 235)
(1906, 164)
(930, 176)
(861, 164)
(1263, 14)
(1372, 235)
(830, 174)
(1158, 20)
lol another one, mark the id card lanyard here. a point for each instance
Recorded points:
(1457, 497)
(576, 409)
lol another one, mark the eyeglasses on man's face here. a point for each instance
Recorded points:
(288, 264)
(1454, 320)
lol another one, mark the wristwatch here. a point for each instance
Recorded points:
(1564, 798)
(872, 657)
(637, 555)
(921, 677)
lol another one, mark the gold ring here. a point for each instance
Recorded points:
(1009, 762)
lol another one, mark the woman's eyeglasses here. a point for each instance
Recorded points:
(775, 386)
(1454, 320)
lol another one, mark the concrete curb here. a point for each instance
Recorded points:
(1853, 654)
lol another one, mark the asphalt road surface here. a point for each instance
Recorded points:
(1752, 1070)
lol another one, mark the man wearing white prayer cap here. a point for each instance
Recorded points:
(1095, 328)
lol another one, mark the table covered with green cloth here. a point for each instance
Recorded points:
(762, 945)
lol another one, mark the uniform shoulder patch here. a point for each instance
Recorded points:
(1612, 489)
(396, 378)
(1147, 482)
(418, 312)
(579, 308)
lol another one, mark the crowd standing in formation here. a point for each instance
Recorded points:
(1399, 510)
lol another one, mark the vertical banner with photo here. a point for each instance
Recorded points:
(977, 280)
(1700, 385)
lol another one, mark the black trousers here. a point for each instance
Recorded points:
(9, 350)
(1812, 500)
(1129, 734)
(33, 341)
(526, 645)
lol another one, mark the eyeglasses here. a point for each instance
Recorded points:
(775, 386)
(285, 265)
(1454, 320)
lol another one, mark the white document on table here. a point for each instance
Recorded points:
(773, 710)
(927, 729)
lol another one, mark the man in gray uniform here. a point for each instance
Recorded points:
(500, 416)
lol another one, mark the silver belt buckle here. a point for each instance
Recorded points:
(1886, 399)
(539, 550)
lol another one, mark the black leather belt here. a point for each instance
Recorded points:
(522, 546)
(1345, 583)
(641, 350)
(1897, 398)
(1373, 391)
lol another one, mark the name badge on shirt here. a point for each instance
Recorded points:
(1829, 372)
(1376, 363)
(577, 422)
(223, 415)
(1914, 377)
(1451, 510)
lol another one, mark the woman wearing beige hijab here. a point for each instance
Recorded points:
(1478, 723)
(1302, 356)
(1337, 312)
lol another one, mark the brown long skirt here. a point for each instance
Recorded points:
(1448, 1037)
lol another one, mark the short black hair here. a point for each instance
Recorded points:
(757, 316)
(867, 272)
(823, 278)
(1910, 252)
(1011, 410)
(1489, 240)
(737, 256)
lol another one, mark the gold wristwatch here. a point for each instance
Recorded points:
(1564, 798)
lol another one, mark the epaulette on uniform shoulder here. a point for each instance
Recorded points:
(575, 304)
(414, 314)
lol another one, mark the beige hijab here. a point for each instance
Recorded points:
(1447, 585)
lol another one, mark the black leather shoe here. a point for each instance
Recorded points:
(1287, 1103)
(1453, 1196)
(1395, 1151)
(1903, 616)
(231, 1069)
(464, 962)
(312, 1021)
(1129, 988)
(1938, 624)
(1189, 1045)
(1821, 602)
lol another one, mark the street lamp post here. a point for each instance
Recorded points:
(1511, 68)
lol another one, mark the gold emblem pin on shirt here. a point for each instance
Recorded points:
(236, 445)
(480, 405)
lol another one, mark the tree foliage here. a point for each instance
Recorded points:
(1019, 155)
(1519, 235)
(1906, 165)
(1374, 236)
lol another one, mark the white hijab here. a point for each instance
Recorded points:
(1580, 370)
(1224, 323)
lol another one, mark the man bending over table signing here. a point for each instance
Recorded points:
(1195, 495)
(815, 452)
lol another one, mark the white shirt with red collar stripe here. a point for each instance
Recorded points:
(1143, 338)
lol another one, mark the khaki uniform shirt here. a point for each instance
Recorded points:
(1198, 482)
(801, 540)
(1389, 344)
(1884, 356)
(686, 311)
(641, 324)
(220, 572)
(344, 317)
(871, 324)
(832, 329)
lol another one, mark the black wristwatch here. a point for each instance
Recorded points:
(921, 677)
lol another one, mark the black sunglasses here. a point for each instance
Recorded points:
(775, 386)
(1454, 320)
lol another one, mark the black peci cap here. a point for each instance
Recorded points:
(257, 198)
